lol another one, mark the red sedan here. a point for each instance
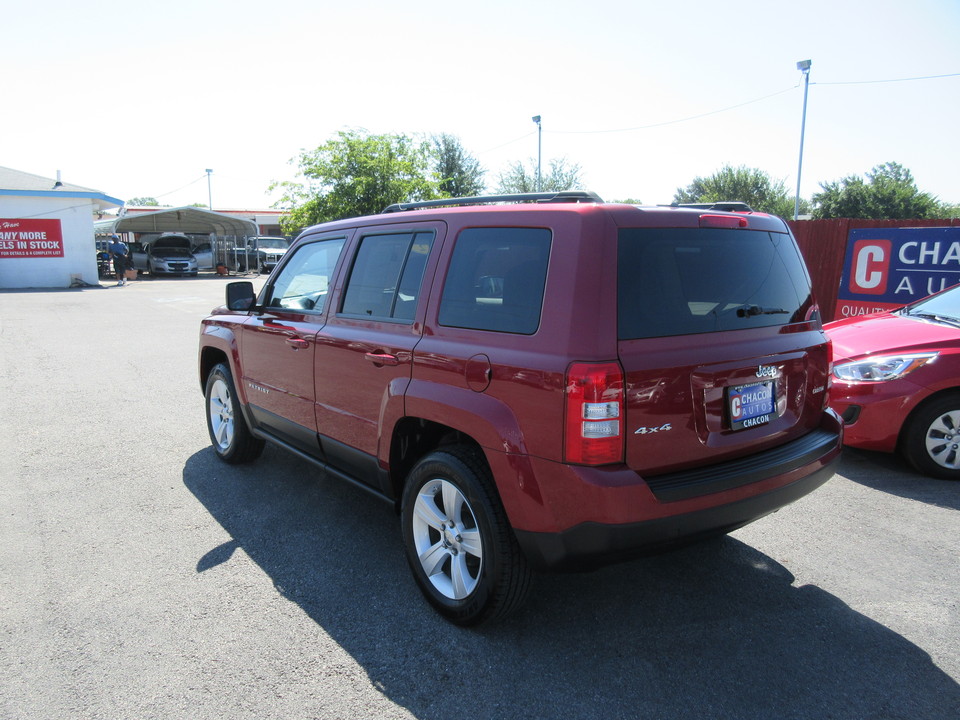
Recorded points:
(896, 382)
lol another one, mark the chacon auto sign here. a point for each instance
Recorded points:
(889, 267)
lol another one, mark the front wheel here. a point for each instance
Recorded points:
(932, 439)
(229, 434)
(459, 544)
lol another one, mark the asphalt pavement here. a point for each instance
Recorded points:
(142, 578)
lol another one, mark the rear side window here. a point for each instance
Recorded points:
(386, 276)
(496, 280)
(682, 281)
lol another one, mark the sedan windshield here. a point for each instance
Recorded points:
(943, 307)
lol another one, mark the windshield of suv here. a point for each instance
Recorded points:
(682, 281)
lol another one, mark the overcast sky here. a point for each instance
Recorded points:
(138, 99)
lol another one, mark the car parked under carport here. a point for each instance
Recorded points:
(168, 254)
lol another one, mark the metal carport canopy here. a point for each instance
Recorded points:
(184, 219)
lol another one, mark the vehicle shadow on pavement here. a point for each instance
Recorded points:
(891, 474)
(717, 630)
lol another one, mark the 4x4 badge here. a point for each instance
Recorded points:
(649, 430)
(766, 371)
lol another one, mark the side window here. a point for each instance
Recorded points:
(387, 275)
(496, 280)
(305, 280)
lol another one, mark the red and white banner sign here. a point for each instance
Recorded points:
(30, 238)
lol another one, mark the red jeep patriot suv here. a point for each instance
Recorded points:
(536, 381)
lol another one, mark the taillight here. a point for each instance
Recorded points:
(594, 419)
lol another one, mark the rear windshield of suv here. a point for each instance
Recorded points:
(683, 281)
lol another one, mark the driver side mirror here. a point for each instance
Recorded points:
(240, 295)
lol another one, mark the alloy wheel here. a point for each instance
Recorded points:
(221, 414)
(447, 539)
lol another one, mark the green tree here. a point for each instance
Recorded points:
(356, 174)
(143, 201)
(458, 173)
(951, 211)
(561, 175)
(889, 192)
(754, 187)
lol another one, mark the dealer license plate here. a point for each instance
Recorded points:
(751, 405)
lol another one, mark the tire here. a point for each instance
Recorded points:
(459, 544)
(229, 434)
(931, 442)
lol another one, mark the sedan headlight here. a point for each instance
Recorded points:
(881, 368)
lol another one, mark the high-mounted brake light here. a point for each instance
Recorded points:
(723, 221)
(594, 414)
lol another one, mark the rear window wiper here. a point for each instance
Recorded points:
(751, 310)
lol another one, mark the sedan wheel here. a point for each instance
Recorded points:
(932, 439)
(943, 440)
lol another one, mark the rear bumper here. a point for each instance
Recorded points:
(592, 544)
(647, 522)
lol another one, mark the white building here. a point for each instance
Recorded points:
(46, 231)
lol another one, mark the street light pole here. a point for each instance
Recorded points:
(536, 119)
(209, 191)
(804, 67)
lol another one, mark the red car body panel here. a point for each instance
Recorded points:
(882, 408)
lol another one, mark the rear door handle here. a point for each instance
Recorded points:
(297, 343)
(382, 359)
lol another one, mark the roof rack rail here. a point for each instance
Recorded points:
(566, 196)
(723, 205)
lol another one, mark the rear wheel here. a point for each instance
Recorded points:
(932, 439)
(458, 541)
(231, 438)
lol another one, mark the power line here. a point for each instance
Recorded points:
(721, 110)
(55, 211)
(192, 182)
(673, 122)
(873, 82)
(509, 142)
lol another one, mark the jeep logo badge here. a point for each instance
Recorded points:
(766, 371)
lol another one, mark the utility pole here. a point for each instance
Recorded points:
(536, 119)
(209, 190)
(804, 67)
